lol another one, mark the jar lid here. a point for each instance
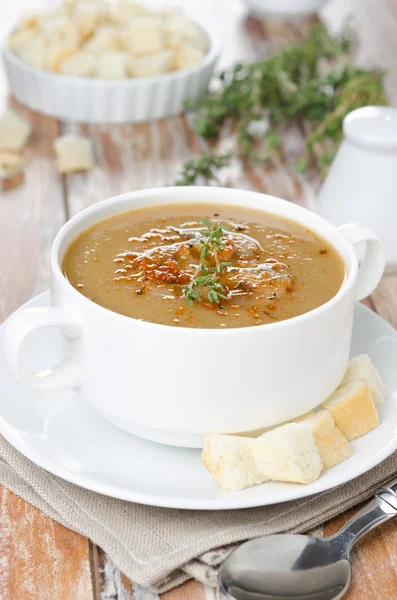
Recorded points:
(374, 127)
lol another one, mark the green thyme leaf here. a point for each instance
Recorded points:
(207, 223)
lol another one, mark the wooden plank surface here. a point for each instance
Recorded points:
(190, 591)
(39, 558)
(30, 216)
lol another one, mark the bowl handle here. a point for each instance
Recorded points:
(20, 326)
(373, 265)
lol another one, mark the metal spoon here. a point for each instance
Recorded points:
(301, 567)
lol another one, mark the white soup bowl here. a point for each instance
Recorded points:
(173, 385)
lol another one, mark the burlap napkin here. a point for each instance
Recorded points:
(161, 548)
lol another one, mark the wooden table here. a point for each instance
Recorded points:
(39, 558)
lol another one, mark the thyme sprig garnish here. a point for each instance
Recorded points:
(205, 276)
(203, 169)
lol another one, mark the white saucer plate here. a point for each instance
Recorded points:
(62, 433)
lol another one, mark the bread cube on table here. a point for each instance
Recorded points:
(288, 453)
(14, 131)
(11, 164)
(80, 64)
(73, 154)
(229, 459)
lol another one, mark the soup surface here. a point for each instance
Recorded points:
(237, 268)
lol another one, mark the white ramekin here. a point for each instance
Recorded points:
(173, 385)
(87, 100)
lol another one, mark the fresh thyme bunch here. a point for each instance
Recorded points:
(313, 85)
(206, 276)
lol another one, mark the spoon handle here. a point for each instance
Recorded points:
(380, 509)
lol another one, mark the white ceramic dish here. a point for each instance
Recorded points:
(365, 168)
(87, 100)
(271, 373)
(63, 434)
(284, 8)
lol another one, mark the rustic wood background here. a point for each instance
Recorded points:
(39, 559)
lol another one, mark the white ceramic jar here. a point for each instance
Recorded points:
(152, 380)
(362, 182)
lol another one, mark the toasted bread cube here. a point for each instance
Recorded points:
(57, 54)
(288, 453)
(73, 153)
(11, 164)
(87, 16)
(361, 369)
(125, 10)
(186, 56)
(35, 53)
(154, 64)
(28, 21)
(113, 65)
(168, 12)
(14, 131)
(229, 459)
(179, 29)
(44, 18)
(80, 64)
(105, 38)
(62, 30)
(144, 35)
(69, 5)
(332, 444)
(20, 39)
(353, 409)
